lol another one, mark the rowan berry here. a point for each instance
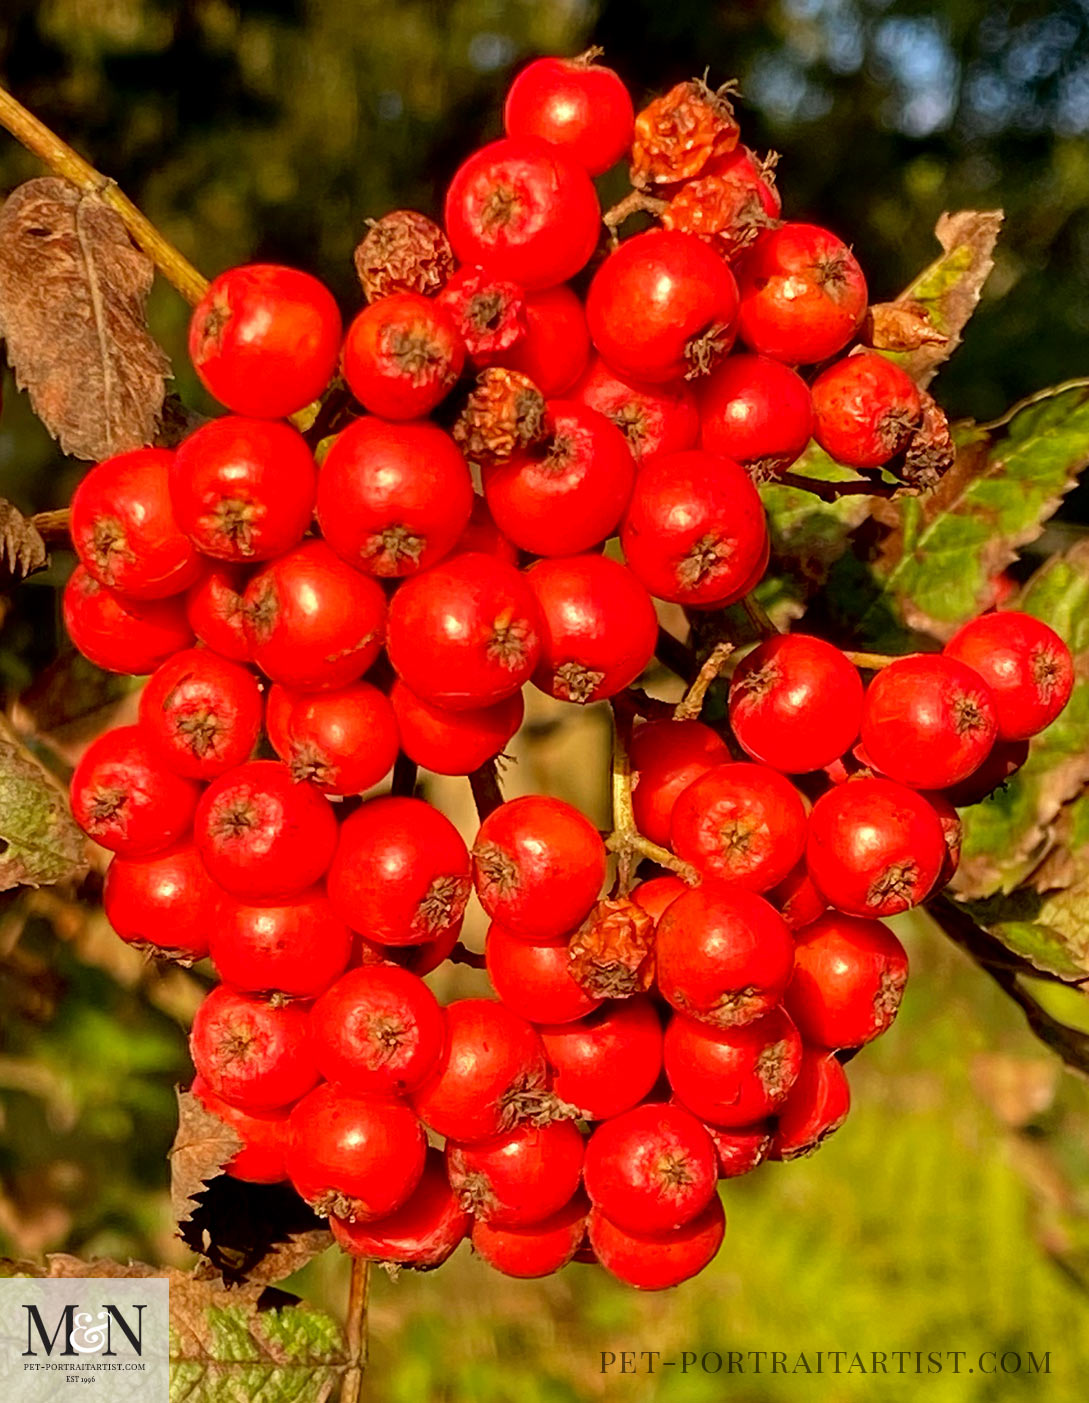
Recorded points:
(849, 977)
(122, 635)
(555, 346)
(655, 1262)
(666, 757)
(253, 1052)
(402, 356)
(520, 1177)
(538, 1249)
(422, 1233)
(295, 946)
(816, 1106)
(653, 418)
(166, 904)
(608, 1062)
(214, 610)
(1025, 664)
(533, 978)
(650, 1169)
(202, 713)
(732, 1077)
(125, 797)
(756, 411)
(343, 742)
(453, 742)
(865, 409)
(378, 1030)
(263, 1134)
(575, 104)
(740, 823)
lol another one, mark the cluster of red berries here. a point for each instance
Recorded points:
(643, 1045)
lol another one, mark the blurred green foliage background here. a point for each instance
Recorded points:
(952, 1213)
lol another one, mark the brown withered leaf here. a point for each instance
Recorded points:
(202, 1146)
(73, 289)
(253, 1232)
(22, 550)
(900, 326)
(946, 293)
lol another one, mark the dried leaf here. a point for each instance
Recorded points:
(946, 294)
(72, 293)
(22, 550)
(900, 326)
(39, 840)
(202, 1146)
(253, 1232)
(228, 1344)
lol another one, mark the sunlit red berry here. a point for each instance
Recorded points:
(607, 1062)
(295, 946)
(125, 797)
(599, 628)
(342, 742)
(422, 1233)
(740, 823)
(524, 210)
(756, 411)
(865, 409)
(815, 1108)
(797, 899)
(520, 1177)
(555, 346)
(253, 1052)
(202, 713)
(849, 977)
(264, 339)
(733, 1076)
(742, 1149)
(575, 104)
(214, 609)
(539, 1249)
(653, 418)
(1025, 664)
(260, 1159)
(166, 903)
(402, 356)
(378, 1030)
(650, 1169)
(533, 978)
(488, 313)
(666, 757)
(453, 742)
(122, 635)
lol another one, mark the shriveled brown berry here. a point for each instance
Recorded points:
(611, 955)
(676, 135)
(930, 452)
(505, 412)
(404, 251)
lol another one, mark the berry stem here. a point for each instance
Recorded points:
(675, 655)
(832, 491)
(625, 840)
(356, 1330)
(404, 775)
(487, 795)
(634, 202)
(758, 616)
(59, 157)
(873, 662)
(689, 708)
(52, 527)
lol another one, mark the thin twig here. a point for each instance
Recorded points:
(61, 158)
(832, 491)
(634, 202)
(487, 795)
(675, 655)
(689, 708)
(53, 527)
(758, 616)
(356, 1330)
(874, 662)
(625, 840)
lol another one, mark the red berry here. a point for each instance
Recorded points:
(574, 104)
(538, 1249)
(657, 894)
(849, 977)
(523, 210)
(126, 799)
(533, 978)
(253, 1052)
(567, 494)
(666, 757)
(122, 635)
(296, 946)
(393, 498)
(740, 1150)
(740, 823)
(401, 872)
(796, 703)
(312, 621)
(404, 251)
(653, 418)
(694, 532)
(488, 313)
(650, 1169)
(1026, 665)
(928, 721)
(608, 1062)
(663, 305)
(213, 607)
(358, 1157)
(732, 1076)
(453, 742)
(261, 835)
(123, 527)
(466, 634)
(243, 489)
(952, 832)
(725, 955)
(378, 1030)
(756, 411)
(875, 848)
(492, 1075)
(729, 204)
(865, 410)
(816, 1106)
(166, 903)
(202, 713)
(555, 346)
(797, 900)
(520, 1177)
(402, 356)
(599, 627)
(652, 1263)
(263, 1135)
(538, 866)
(422, 1233)
(264, 339)
(483, 537)
(343, 742)
(803, 295)
(278, 707)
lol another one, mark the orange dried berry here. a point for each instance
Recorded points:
(505, 412)
(727, 206)
(404, 251)
(611, 955)
(676, 135)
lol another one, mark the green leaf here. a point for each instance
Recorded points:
(948, 291)
(39, 841)
(923, 565)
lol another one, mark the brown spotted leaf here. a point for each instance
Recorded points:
(944, 296)
(22, 550)
(202, 1146)
(73, 289)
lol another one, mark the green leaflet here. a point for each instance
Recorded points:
(931, 561)
(1007, 836)
(39, 840)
